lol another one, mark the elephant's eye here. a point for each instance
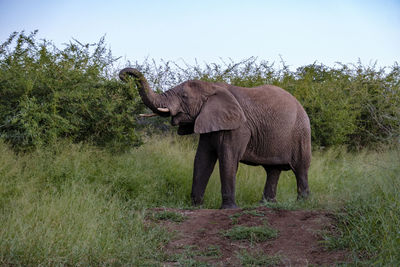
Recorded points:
(185, 96)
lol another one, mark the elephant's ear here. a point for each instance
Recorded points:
(221, 111)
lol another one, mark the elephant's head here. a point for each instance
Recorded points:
(195, 106)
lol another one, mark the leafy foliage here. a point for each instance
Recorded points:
(352, 105)
(47, 93)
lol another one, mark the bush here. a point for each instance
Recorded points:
(352, 105)
(47, 93)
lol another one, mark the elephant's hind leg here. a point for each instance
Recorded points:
(271, 184)
(302, 183)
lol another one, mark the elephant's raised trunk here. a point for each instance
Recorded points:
(151, 99)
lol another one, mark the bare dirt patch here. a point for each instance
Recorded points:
(200, 238)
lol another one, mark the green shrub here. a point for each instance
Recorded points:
(47, 93)
(352, 105)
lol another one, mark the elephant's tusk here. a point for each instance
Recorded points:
(163, 109)
(148, 115)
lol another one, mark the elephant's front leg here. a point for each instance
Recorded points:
(232, 145)
(227, 169)
(203, 167)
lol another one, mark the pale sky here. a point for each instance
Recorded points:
(300, 31)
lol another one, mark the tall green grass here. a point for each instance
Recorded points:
(76, 204)
(59, 206)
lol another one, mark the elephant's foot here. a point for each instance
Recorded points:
(303, 195)
(229, 206)
(267, 199)
(196, 201)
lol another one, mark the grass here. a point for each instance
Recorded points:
(168, 216)
(235, 217)
(251, 233)
(189, 254)
(212, 251)
(58, 207)
(257, 259)
(79, 205)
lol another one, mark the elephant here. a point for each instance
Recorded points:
(263, 125)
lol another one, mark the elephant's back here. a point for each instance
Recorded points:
(269, 102)
(269, 96)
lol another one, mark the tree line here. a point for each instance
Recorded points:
(48, 94)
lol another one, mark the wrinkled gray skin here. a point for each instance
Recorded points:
(263, 126)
